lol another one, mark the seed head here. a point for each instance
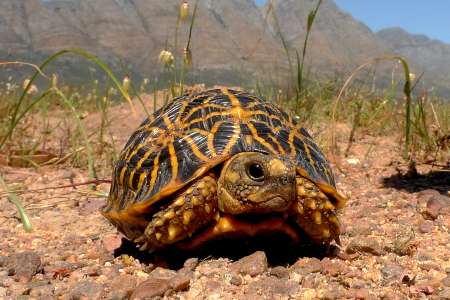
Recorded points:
(54, 80)
(184, 11)
(126, 83)
(33, 88)
(25, 83)
(187, 56)
(166, 57)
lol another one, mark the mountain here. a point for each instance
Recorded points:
(337, 40)
(428, 56)
(131, 33)
(232, 39)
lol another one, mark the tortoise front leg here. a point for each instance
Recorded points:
(191, 209)
(314, 212)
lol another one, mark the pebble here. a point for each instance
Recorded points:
(446, 281)
(279, 271)
(334, 291)
(426, 226)
(333, 268)
(112, 242)
(392, 272)
(426, 289)
(254, 264)
(122, 286)
(44, 291)
(152, 287)
(90, 206)
(404, 242)
(428, 193)
(93, 271)
(86, 289)
(191, 263)
(360, 293)
(24, 265)
(3, 260)
(272, 288)
(445, 294)
(233, 279)
(366, 244)
(307, 266)
(436, 206)
(162, 273)
(189, 266)
(180, 282)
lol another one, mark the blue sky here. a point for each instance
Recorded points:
(431, 17)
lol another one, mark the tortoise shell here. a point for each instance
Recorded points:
(195, 133)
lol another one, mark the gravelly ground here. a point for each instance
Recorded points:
(395, 245)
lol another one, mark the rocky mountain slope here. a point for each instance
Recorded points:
(231, 38)
(429, 56)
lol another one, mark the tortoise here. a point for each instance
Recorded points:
(221, 162)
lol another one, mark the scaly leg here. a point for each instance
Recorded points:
(315, 213)
(190, 210)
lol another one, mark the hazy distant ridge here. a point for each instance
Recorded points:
(229, 35)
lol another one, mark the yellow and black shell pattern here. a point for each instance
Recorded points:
(195, 133)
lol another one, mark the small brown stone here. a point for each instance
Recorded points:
(445, 294)
(3, 260)
(93, 271)
(426, 289)
(272, 288)
(446, 281)
(24, 265)
(436, 206)
(152, 287)
(307, 266)
(361, 293)
(428, 193)
(233, 279)
(124, 284)
(404, 243)
(366, 245)
(90, 206)
(392, 272)
(253, 265)
(426, 226)
(189, 266)
(162, 273)
(86, 290)
(345, 256)
(112, 242)
(191, 263)
(180, 282)
(334, 291)
(333, 268)
(42, 292)
(427, 266)
(279, 271)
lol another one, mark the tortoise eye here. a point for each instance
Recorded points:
(255, 171)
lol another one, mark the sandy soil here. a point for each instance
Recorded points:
(395, 244)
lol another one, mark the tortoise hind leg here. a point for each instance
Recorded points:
(191, 209)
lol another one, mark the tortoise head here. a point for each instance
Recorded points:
(253, 182)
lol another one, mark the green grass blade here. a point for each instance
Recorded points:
(14, 199)
(90, 152)
(15, 118)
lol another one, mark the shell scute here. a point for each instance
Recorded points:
(194, 133)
